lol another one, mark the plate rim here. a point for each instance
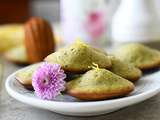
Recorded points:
(10, 91)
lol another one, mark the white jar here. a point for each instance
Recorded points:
(136, 21)
(84, 19)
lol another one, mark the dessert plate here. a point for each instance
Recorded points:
(146, 87)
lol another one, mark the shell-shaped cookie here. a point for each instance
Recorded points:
(17, 55)
(39, 39)
(78, 57)
(125, 70)
(99, 84)
(139, 55)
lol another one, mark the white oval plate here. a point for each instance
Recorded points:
(146, 87)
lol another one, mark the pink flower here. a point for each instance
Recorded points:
(95, 24)
(48, 81)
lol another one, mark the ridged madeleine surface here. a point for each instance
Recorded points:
(38, 39)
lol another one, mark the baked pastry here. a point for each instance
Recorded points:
(139, 55)
(125, 70)
(38, 39)
(11, 35)
(78, 57)
(99, 84)
(17, 55)
(25, 76)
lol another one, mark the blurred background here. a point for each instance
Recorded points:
(101, 23)
(13, 15)
(20, 10)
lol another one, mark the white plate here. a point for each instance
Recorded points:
(147, 87)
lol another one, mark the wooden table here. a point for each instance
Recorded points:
(11, 109)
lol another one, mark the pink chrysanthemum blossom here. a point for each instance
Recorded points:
(48, 81)
(95, 24)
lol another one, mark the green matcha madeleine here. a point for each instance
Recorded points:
(17, 55)
(77, 57)
(25, 76)
(139, 55)
(125, 70)
(99, 84)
